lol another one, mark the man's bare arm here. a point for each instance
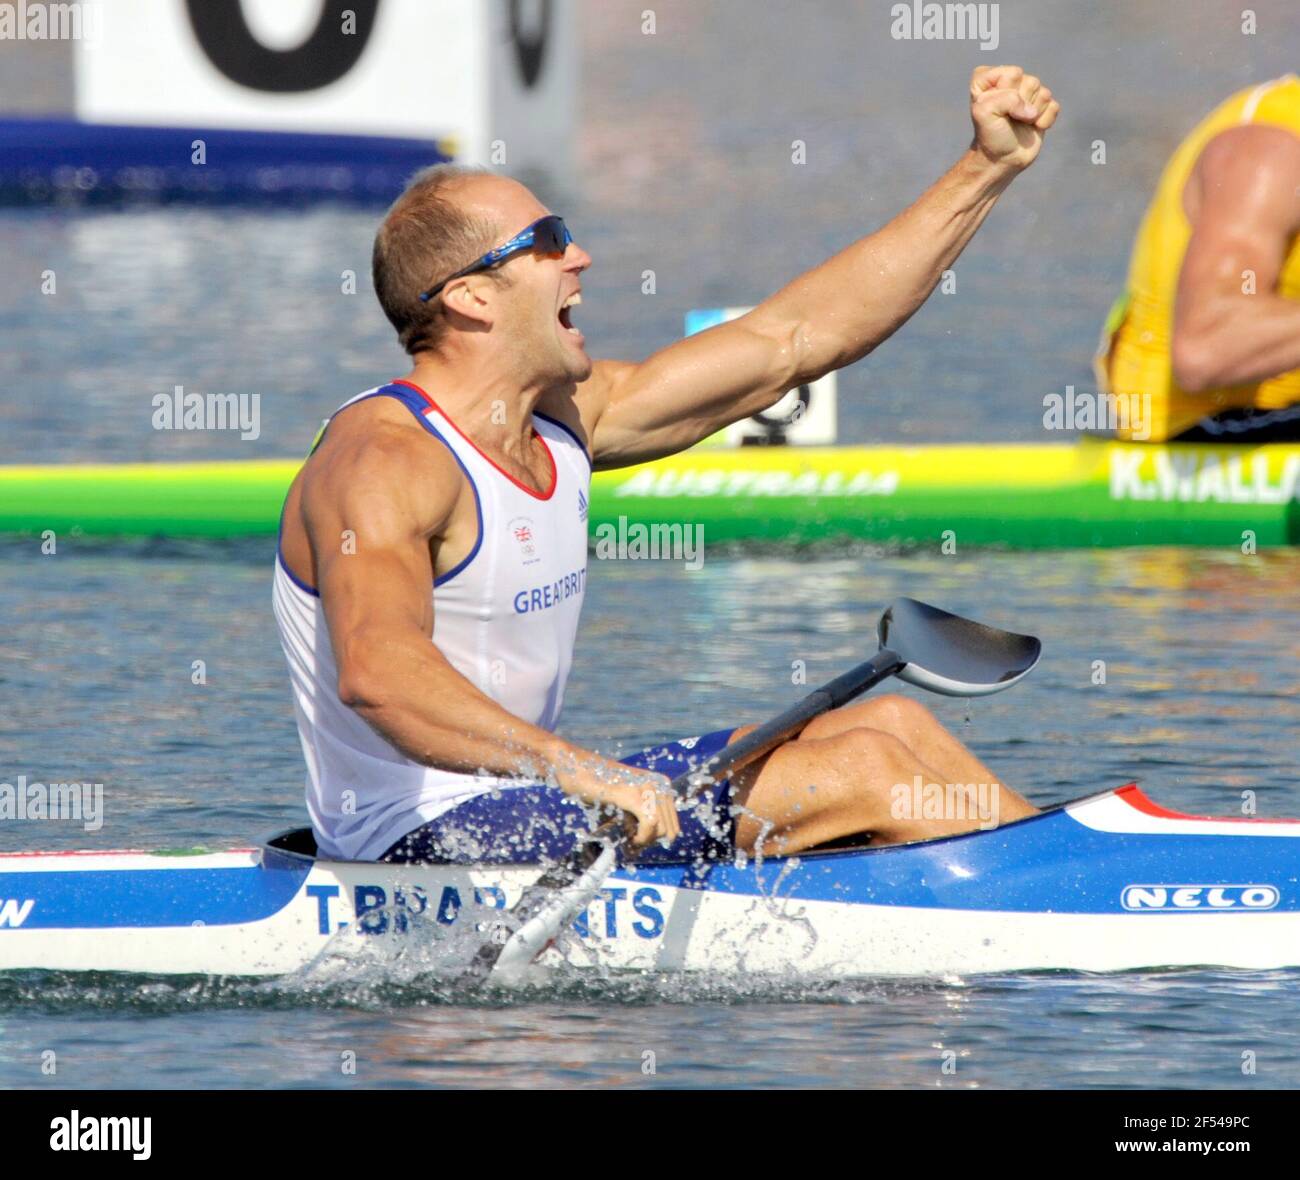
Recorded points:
(831, 315)
(370, 517)
(1244, 213)
(376, 595)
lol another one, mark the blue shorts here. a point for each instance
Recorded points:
(532, 824)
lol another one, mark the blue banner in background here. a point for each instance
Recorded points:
(44, 160)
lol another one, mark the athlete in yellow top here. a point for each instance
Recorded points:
(1209, 326)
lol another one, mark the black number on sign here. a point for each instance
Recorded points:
(530, 47)
(329, 53)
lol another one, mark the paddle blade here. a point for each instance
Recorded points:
(957, 657)
(549, 910)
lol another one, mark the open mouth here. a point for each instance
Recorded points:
(566, 313)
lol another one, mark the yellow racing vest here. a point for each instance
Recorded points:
(1134, 356)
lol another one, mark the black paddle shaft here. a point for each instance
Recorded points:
(784, 726)
(738, 754)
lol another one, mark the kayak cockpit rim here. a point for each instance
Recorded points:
(298, 845)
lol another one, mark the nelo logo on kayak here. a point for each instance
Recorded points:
(1199, 897)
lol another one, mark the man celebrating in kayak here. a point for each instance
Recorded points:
(433, 549)
(1209, 326)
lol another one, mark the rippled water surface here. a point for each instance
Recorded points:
(1200, 703)
(685, 144)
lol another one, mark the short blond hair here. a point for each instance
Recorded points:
(425, 237)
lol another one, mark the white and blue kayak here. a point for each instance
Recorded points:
(1111, 882)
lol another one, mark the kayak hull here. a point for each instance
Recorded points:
(1110, 883)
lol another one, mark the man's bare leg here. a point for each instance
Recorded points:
(853, 771)
(915, 726)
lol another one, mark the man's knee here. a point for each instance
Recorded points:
(867, 756)
(894, 713)
(860, 764)
(890, 713)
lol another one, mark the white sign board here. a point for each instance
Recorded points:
(496, 77)
(803, 417)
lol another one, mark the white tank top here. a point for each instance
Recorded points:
(506, 618)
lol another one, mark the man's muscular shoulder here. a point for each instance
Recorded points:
(378, 468)
(1257, 163)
